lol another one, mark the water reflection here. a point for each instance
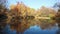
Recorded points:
(47, 26)
(42, 28)
(33, 30)
(58, 31)
(37, 30)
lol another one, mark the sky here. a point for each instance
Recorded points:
(36, 4)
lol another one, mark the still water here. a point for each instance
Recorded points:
(33, 30)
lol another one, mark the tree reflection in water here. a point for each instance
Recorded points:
(58, 20)
(58, 31)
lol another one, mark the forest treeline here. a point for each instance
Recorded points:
(20, 17)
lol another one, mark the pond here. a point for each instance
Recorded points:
(33, 30)
(36, 27)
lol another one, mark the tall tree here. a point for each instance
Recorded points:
(57, 17)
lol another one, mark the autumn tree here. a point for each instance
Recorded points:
(22, 17)
(17, 18)
(46, 12)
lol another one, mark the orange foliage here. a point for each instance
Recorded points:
(18, 20)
